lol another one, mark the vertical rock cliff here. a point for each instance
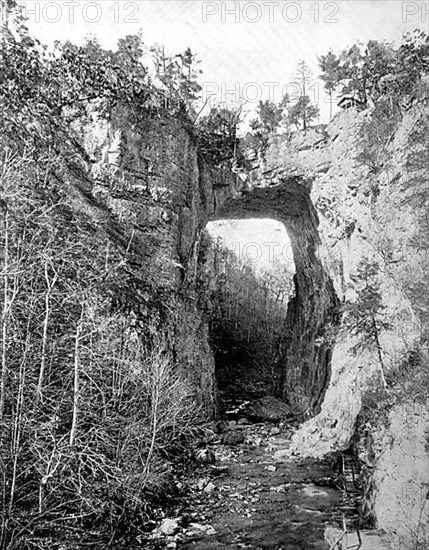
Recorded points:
(373, 212)
(339, 205)
(158, 193)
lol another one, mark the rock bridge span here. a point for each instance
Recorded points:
(151, 188)
(313, 312)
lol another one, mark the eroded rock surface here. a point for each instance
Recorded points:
(158, 194)
(363, 215)
(154, 192)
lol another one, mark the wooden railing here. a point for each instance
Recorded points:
(336, 544)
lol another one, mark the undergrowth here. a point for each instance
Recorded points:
(93, 410)
(407, 382)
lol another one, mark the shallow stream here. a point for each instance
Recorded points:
(259, 500)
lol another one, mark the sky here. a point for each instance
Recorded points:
(249, 50)
(260, 243)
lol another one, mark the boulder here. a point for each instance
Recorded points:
(269, 409)
(233, 437)
(169, 526)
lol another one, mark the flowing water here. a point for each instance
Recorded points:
(253, 499)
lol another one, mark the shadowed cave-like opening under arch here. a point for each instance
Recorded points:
(301, 370)
(251, 269)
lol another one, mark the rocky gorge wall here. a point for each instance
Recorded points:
(157, 193)
(145, 185)
(369, 215)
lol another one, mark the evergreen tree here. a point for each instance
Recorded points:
(269, 118)
(377, 71)
(352, 73)
(365, 317)
(303, 110)
(179, 75)
(331, 74)
(379, 63)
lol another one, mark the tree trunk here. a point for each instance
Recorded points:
(17, 427)
(76, 381)
(4, 19)
(156, 381)
(304, 112)
(379, 351)
(50, 284)
(5, 314)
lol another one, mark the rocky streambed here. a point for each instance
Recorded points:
(248, 493)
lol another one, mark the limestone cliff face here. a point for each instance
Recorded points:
(145, 177)
(159, 194)
(363, 214)
(355, 223)
(396, 468)
(156, 194)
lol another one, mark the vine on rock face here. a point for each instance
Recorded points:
(217, 136)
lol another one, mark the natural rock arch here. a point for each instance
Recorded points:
(308, 340)
(158, 197)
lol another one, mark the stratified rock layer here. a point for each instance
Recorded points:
(369, 215)
(157, 194)
(156, 188)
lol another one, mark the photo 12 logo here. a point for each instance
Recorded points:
(254, 12)
(412, 491)
(415, 12)
(74, 11)
(253, 252)
(249, 93)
